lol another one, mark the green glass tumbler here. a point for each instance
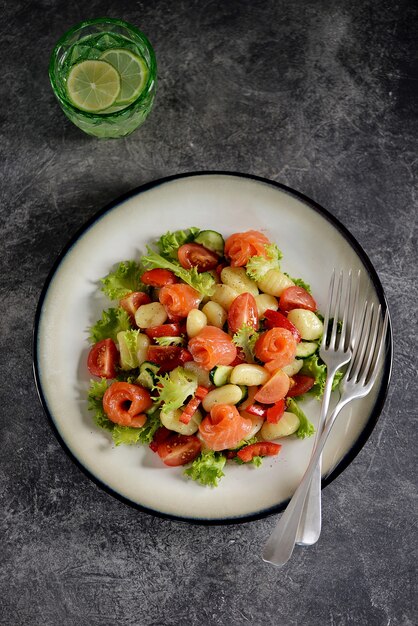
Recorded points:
(90, 40)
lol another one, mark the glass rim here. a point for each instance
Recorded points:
(103, 20)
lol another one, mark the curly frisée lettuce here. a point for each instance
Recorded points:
(112, 322)
(207, 468)
(169, 243)
(258, 266)
(95, 403)
(130, 436)
(174, 389)
(204, 282)
(169, 341)
(125, 279)
(313, 366)
(299, 282)
(128, 347)
(246, 339)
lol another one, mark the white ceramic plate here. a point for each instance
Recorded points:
(312, 241)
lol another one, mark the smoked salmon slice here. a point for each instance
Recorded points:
(212, 346)
(125, 404)
(276, 348)
(224, 427)
(240, 247)
(179, 299)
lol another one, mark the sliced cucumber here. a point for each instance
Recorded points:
(211, 240)
(305, 349)
(294, 367)
(147, 374)
(244, 390)
(220, 374)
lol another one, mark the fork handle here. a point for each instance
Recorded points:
(281, 542)
(310, 523)
(309, 529)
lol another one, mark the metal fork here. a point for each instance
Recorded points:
(359, 378)
(335, 351)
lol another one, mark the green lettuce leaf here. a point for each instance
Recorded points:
(315, 367)
(169, 243)
(174, 389)
(258, 266)
(125, 279)
(169, 341)
(113, 321)
(95, 403)
(204, 283)
(306, 428)
(246, 339)
(130, 436)
(207, 468)
(299, 282)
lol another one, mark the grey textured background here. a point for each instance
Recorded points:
(321, 96)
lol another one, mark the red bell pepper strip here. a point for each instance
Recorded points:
(193, 405)
(275, 412)
(260, 410)
(261, 448)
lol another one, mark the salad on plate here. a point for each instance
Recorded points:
(206, 352)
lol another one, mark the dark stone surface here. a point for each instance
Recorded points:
(321, 96)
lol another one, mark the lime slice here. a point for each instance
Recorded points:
(132, 70)
(93, 85)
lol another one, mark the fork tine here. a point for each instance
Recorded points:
(377, 362)
(360, 343)
(337, 309)
(328, 309)
(371, 345)
(354, 314)
(346, 310)
(364, 341)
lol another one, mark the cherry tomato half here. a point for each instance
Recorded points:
(240, 358)
(132, 301)
(296, 298)
(160, 435)
(168, 357)
(275, 319)
(274, 389)
(165, 330)
(159, 278)
(195, 255)
(103, 358)
(243, 311)
(179, 449)
(301, 384)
